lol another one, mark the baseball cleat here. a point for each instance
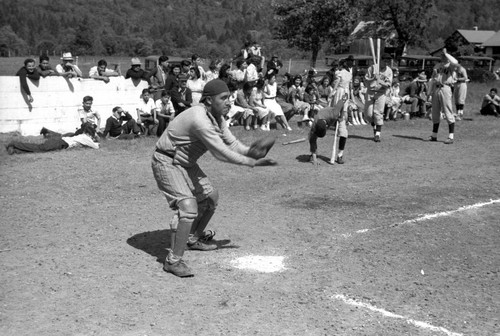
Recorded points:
(178, 268)
(340, 160)
(201, 246)
(448, 141)
(376, 138)
(433, 139)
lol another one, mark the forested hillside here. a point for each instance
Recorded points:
(179, 27)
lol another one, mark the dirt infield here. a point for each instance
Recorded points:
(84, 233)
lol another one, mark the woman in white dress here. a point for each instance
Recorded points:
(195, 84)
(270, 89)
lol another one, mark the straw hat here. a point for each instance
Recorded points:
(67, 57)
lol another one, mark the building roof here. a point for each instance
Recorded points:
(476, 36)
(493, 41)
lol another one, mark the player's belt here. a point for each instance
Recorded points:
(442, 85)
(169, 154)
(269, 97)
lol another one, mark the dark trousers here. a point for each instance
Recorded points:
(51, 144)
(162, 125)
(490, 109)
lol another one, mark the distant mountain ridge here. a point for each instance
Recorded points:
(209, 27)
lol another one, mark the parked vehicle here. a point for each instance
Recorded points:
(152, 61)
(361, 62)
(411, 65)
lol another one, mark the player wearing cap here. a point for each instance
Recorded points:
(460, 90)
(378, 84)
(187, 189)
(325, 118)
(443, 77)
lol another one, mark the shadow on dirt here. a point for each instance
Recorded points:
(408, 137)
(306, 158)
(155, 243)
(360, 137)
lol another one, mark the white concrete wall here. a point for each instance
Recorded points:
(57, 99)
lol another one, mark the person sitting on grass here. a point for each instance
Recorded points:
(491, 104)
(28, 71)
(165, 112)
(121, 126)
(87, 114)
(56, 141)
(102, 72)
(146, 113)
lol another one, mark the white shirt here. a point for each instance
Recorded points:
(80, 140)
(146, 107)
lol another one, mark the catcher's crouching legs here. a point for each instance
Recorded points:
(180, 227)
(206, 210)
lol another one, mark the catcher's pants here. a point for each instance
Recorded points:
(374, 107)
(442, 102)
(178, 183)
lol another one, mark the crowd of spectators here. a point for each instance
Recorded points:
(260, 94)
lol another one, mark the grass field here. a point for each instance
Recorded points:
(403, 239)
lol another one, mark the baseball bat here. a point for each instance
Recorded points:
(294, 141)
(374, 56)
(334, 149)
(378, 55)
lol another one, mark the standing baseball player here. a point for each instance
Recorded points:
(378, 84)
(187, 189)
(325, 118)
(443, 78)
(460, 90)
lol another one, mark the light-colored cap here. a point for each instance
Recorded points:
(67, 56)
(136, 61)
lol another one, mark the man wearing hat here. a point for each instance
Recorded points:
(274, 65)
(460, 90)
(416, 95)
(325, 118)
(378, 83)
(182, 97)
(187, 189)
(136, 72)
(444, 78)
(67, 68)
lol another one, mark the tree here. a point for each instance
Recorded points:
(307, 24)
(10, 42)
(409, 19)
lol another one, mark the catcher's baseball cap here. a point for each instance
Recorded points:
(213, 88)
(320, 128)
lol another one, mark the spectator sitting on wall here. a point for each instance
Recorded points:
(67, 68)
(102, 72)
(56, 142)
(44, 67)
(136, 73)
(28, 71)
(121, 125)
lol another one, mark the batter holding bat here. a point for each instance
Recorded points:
(187, 189)
(325, 118)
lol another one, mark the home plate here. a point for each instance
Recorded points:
(265, 264)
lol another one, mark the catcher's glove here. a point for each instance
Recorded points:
(261, 147)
